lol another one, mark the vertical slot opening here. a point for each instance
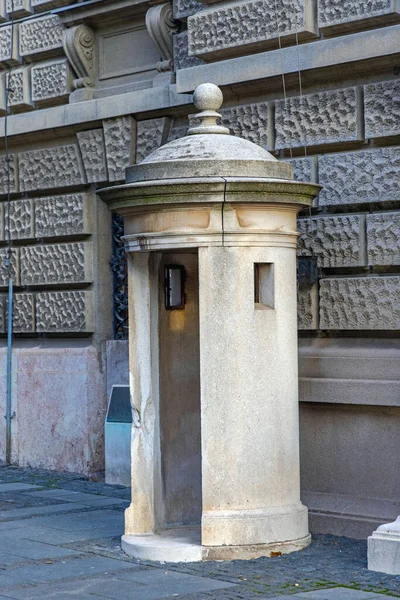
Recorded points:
(264, 285)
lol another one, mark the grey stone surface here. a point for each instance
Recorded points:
(20, 96)
(63, 215)
(248, 26)
(17, 487)
(184, 8)
(315, 119)
(151, 134)
(337, 15)
(177, 132)
(56, 263)
(21, 219)
(382, 109)
(342, 50)
(356, 303)
(48, 168)
(383, 234)
(119, 137)
(357, 177)
(23, 313)
(182, 60)
(19, 8)
(51, 81)
(307, 307)
(93, 151)
(40, 36)
(14, 266)
(249, 121)
(64, 312)
(302, 168)
(11, 163)
(64, 509)
(334, 240)
(48, 4)
(6, 52)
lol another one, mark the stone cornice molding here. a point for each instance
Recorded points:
(161, 26)
(79, 46)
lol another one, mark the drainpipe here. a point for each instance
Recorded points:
(9, 416)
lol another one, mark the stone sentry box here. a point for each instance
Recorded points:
(215, 435)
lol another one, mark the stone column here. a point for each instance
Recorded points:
(249, 401)
(143, 515)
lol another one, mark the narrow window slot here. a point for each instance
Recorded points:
(264, 285)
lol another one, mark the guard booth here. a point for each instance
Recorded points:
(210, 232)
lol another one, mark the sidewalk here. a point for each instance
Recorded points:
(59, 539)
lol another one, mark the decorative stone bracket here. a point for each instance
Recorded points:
(161, 26)
(79, 46)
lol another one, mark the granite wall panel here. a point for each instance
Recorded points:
(336, 241)
(151, 134)
(360, 303)
(64, 312)
(93, 152)
(69, 214)
(119, 135)
(47, 168)
(307, 307)
(358, 177)
(242, 27)
(328, 117)
(57, 264)
(21, 219)
(51, 82)
(383, 238)
(338, 15)
(41, 37)
(382, 109)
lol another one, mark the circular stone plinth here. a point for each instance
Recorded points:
(170, 545)
(183, 544)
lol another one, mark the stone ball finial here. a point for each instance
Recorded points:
(207, 96)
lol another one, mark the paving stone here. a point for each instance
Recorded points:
(67, 495)
(42, 573)
(9, 515)
(16, 487)
(337, 594)
(23, 549)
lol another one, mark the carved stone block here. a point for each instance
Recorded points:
(383, 235)
(177, 131)
(18, 8)
(41, 37)
(334, 240)
(14, 263)
(64, 312)
(3, 13)
(57, 264)
(48, 4)
(23, 316)
(182, 60)
(12, 165)
(93, 153)
(324, 118)
(249, 121)
(47, 168)
(63, 215)
(360, 303)
(307, 307)
(302, 168)
(119, 135)
(249, 26)
(336, 16)
(151, 135)
(20, 97)
(357, 177)
(184, 8)
(51, 82)
(3, 300)
(382, 109)
(21, 219)
(9, 45)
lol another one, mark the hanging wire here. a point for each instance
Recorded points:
(304, 130)
(281, 59)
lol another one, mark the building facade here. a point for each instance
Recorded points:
(98, 85)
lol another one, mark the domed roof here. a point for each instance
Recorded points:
(208, 150)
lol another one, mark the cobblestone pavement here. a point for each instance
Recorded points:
(59, 538)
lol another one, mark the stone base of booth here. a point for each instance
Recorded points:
(183, 544)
